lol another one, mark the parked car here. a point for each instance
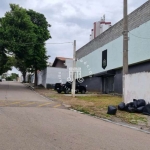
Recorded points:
(0, 78)
(66, 88)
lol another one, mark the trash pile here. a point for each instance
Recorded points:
(137, 106)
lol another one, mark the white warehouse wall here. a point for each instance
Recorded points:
(42, 77)
(56, 75)
(69, 63)
(137, 86)
(139, 50)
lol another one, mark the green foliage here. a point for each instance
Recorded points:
(13, 76)
(23, 33)
(17, 29)
(6, 62)
(38, 57)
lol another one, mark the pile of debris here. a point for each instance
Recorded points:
(137, 106)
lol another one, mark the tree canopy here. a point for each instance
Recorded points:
(23, 33)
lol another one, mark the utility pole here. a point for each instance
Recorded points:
(74, 65)
(125, 45)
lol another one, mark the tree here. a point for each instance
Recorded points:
(6, 62)
(20, 64)
(24, 33)
(13, 76)
(39, 52)
(17, 31)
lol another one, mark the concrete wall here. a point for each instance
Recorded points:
(69, 63)
(52, 75)
(56, 75)
(137, 86)
(96, 83)
(112, 40)
(144, 66)
(42, 77)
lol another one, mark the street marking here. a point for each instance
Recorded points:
(13, 103)
(56, 106)
(27, 104)
(44, 104)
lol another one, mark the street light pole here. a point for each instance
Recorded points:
(125, 45)
(74, 65)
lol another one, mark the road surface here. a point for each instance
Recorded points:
(28, 121)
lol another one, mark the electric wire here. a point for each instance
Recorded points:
(139, 36)
(36, 43)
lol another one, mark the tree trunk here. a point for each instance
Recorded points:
(24, 77)
(35, 78)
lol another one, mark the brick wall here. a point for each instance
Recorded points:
(136, 18)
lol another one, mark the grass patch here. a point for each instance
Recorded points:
(97, 106)
(82, 109)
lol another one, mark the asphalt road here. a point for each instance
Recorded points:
(37, 127)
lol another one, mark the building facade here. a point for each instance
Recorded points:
(103, 56)
(57, 73)
(99, 27)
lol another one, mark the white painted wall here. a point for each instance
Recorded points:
(56, 75)
(137, 86)
(44, 75)
(139, 50)
(69, 63)
(97, 29)
(52, 75)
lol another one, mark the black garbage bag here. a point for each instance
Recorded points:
(141, 102)
(135, 103)
(112, 110)
(121, 106)
(131, 104)
(126, 106)
(146, 110)
(140, 109)
(131, 109)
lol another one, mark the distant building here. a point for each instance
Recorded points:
(99, 28)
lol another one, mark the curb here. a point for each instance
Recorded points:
(107, 120)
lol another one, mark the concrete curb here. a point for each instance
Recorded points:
(120, 124)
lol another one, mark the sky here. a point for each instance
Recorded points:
(72, 19)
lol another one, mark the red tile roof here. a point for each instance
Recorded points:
(63, 58)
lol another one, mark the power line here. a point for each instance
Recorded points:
(61, 43)
(139, 36)
(35, 43)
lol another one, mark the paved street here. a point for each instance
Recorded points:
(29, 121)
(15, 94)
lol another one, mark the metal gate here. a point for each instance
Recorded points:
(108, 84)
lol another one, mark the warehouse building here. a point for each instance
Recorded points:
(102, 57)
